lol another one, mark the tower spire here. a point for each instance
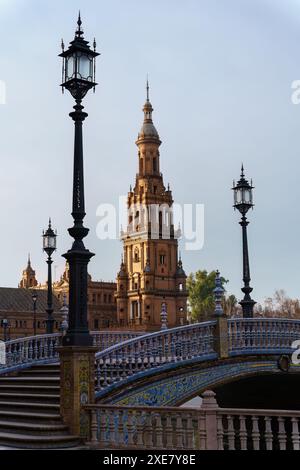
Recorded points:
(148, 90)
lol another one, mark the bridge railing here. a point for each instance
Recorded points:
(262, 334)
(106, 339)
(153, 350)
(206, 428)
(23, 352)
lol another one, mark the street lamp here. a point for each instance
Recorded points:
(49, 246)
(5, 326)
(34, 300)
(78, 77)
(243, 201)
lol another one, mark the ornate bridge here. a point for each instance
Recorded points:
(169, 367)
(142, 379)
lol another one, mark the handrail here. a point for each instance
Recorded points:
(23, 352)
(150, 351)
(262, 334)
(207, 427)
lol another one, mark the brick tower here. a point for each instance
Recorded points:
(151, 272)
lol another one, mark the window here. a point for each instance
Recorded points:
(109, 299)
(155, 165)
(94, 298)
(96, 324)
(136, 255)
(105, 298)
(180, 287)
(162, 259)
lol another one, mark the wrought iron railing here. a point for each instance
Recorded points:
(153, 350)
(262, 334)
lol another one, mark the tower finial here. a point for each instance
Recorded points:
(242, 174)
(148, 89)
(29, 260)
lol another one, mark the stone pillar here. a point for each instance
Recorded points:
(221, 332)
(209, 407)
(77, 386)
(221, 338)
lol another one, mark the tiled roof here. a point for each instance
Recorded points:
(20, 300)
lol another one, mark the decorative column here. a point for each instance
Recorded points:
(77, 355)
(221, 335)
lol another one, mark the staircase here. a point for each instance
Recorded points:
(29, 410)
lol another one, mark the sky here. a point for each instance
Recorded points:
(220, 75)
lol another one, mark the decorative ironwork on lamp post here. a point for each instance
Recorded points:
(78, 77)
(49, 246)
(243, 202)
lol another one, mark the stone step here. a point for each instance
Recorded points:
(30, 380)
(29, 406)
(21, 427)
(30, 416)
(29, 397)
(41, 372)
(34, 389)
(22, 441)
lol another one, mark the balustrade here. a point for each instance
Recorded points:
(172, 428)
(259, 334)
(153, 350)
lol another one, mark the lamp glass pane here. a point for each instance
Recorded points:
(239, 195)
(70, 67)
(247, 196)
(84, 66)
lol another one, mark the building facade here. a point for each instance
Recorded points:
(17, 313)
(102, 307)
(151, 272)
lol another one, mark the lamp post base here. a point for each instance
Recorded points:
(248, 307)
(50, 323)
(77, 387)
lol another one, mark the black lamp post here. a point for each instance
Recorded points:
(78, 76)
(49, 246)
(34, 300)
(243, 201)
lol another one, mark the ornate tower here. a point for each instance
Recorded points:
(151, 272)
(28, 277)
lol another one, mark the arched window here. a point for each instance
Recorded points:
(136, 255)
(162, 259)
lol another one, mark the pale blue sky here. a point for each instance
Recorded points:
(220, 73)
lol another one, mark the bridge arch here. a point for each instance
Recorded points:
(177, 385)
